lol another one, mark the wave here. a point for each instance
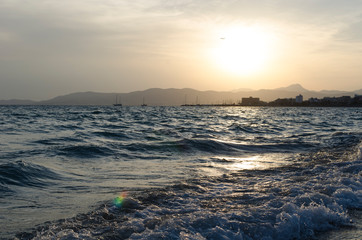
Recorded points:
(84, 151)
(57, 141)
(290, 202)
(112, 135)
(256, 128)
(213, 146)
(21, 173)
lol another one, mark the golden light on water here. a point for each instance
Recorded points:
(219, 165)
(243, 50)
(245, 163)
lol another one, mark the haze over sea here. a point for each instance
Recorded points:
(180, 172)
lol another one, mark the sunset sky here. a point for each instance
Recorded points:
(50, 48)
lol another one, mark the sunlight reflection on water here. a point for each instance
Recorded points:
(222, 164)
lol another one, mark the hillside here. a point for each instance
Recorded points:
(176, 97)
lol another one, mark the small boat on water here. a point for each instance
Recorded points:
(117, 104)
(144, 104)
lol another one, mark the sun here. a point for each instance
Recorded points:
(243, 50)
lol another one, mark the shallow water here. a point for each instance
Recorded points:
(189, 173)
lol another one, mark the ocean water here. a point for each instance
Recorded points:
(69, 172)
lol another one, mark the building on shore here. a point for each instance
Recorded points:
(299, 98)
(283, 102)
(313, 100)
(250, 101)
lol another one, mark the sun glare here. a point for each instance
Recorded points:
(243, 50)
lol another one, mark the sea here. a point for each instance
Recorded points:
(105, 172)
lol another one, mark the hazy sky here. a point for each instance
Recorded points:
(50, 47)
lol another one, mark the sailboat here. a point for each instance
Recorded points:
(144, 104)
(117, 104)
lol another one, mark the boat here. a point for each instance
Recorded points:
(117, 104)
(144, 104)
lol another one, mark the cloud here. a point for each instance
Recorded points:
(84, 27)
(48, 40)
(351, 33)
(80, 27)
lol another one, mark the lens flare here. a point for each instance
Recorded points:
(118, 201)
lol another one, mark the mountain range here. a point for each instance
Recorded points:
(177, 97)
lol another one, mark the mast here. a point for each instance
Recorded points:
(117, 104)
(143, 102)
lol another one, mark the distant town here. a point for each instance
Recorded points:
(344, 101)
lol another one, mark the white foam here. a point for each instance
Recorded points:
(281, 203)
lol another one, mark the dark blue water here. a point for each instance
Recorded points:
(188, 172)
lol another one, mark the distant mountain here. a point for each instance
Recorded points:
(177, 97)
(359, 92)
(293, 88)
(82, 98)
(243, 90)
(332, 92)
(17, 102)
(152, 97)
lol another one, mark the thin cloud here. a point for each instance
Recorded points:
(351, 33)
